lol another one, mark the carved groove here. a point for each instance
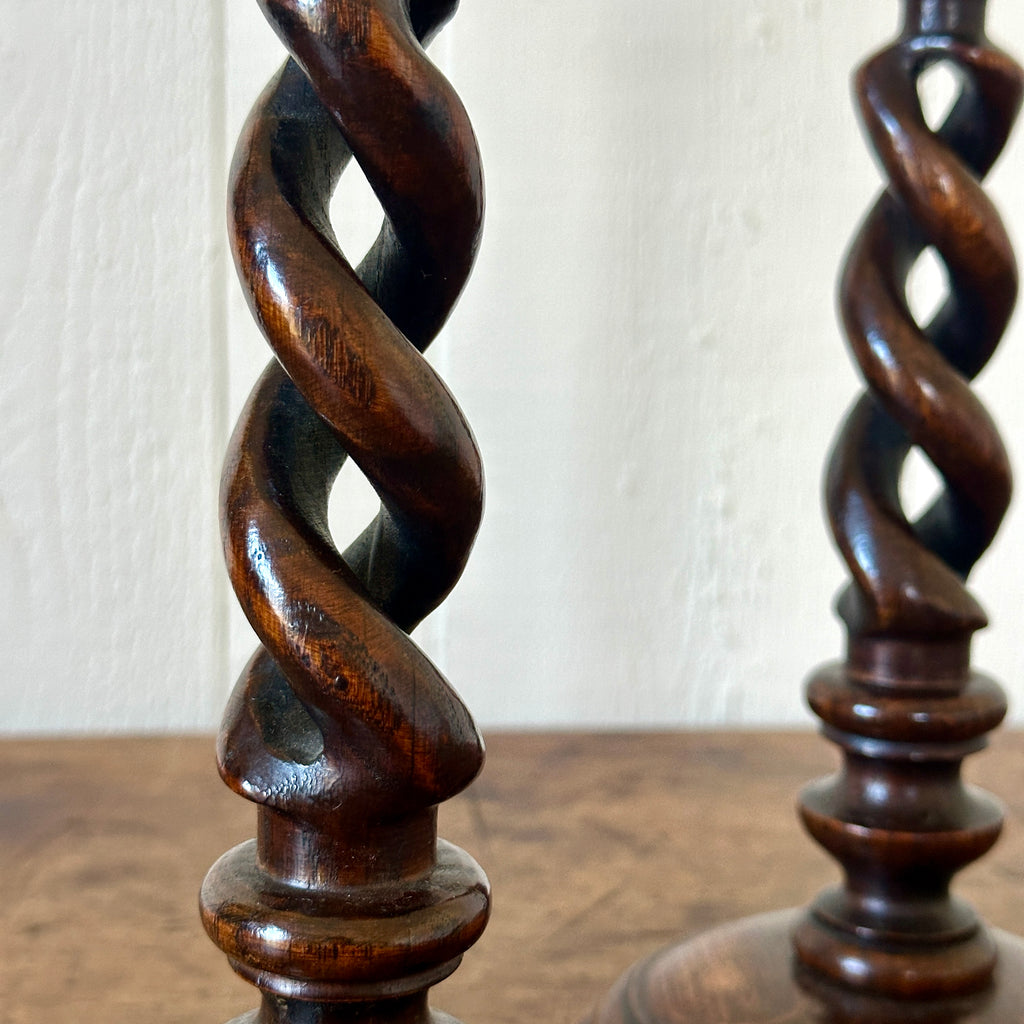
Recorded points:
(905, 707)
(341, 729)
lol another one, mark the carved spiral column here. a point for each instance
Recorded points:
(905, 708)
(890, 945)
(346, 906)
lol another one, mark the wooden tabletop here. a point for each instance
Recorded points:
(600, 848)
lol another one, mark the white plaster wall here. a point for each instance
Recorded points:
(647, 353)
(112, 608)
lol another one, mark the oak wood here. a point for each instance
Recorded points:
(746, 971)
(905, 707)
(345, 905)
(601, 848)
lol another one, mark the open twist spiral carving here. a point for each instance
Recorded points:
(908, 576)
(341, 728)
(349, 381)
(906, 708)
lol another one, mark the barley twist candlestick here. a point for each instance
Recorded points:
(891, 944)
(347, 906)
(905, 707)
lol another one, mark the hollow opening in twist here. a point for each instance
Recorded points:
(920, 484)
(353, 503)
(939, 86)
(927, 287)
(356, 214)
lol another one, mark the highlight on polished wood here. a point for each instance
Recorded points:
(346, 905)
(904, 707)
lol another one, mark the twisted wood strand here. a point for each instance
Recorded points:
(341, 729)
(905, 707)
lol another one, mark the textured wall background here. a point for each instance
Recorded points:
(112, 366)
(647, 353)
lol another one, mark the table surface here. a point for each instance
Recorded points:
(600, 848)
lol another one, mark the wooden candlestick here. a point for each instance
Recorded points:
(891, 944)
(346, 906)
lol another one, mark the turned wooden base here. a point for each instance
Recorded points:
(412, 1010)
(744, 973)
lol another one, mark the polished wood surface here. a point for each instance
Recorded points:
(601, 849)
(904, 707)
(345, 905)
(745, 973)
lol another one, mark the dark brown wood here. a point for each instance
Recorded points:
(601, 849)
(744, 973)
(346, 906)
(904, 707)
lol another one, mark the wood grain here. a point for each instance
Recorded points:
(346, 906)
(905, 706)
(600, 849)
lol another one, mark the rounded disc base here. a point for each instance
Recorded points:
(745, 973)
(359, 945)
